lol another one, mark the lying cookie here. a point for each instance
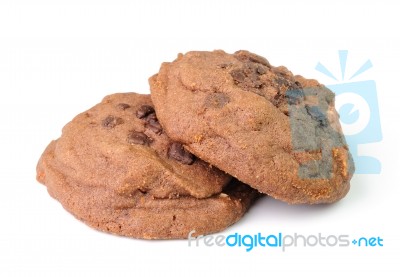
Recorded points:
(115, 169)
(277, 132)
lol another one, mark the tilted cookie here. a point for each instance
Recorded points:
(115, 169)
(277, 132)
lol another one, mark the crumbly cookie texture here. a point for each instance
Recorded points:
(116, 169)
(277, 132)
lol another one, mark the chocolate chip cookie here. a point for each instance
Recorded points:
(277, 132)
(116, 169)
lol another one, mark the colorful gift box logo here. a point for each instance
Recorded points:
(357, 104)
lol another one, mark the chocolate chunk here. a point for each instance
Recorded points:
(278, 99)
(123, 106)
(317, 115)
(216, 100)
(244, 56)
(294, 96)
(261, 70)
(154, 125)
(238, 75)
(144, 111)
(111, 121)
(247, 77)
(138, 138)
(150, 117)
(298, 84)
(177, 152)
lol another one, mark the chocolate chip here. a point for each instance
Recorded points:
(244, 56)
(144, 111)
(138, 138)
(260, 60)
(150, 117)
(278, 99)
(154, 125)
(238, 75)
(111, 121)
(317, 115)
(177, 152)
(247, 77)
(123, 106)
(294, 96)
(216, 100)
(261, 70)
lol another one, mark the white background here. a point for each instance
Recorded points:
(56, 60)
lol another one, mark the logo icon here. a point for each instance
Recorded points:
(357, 104)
